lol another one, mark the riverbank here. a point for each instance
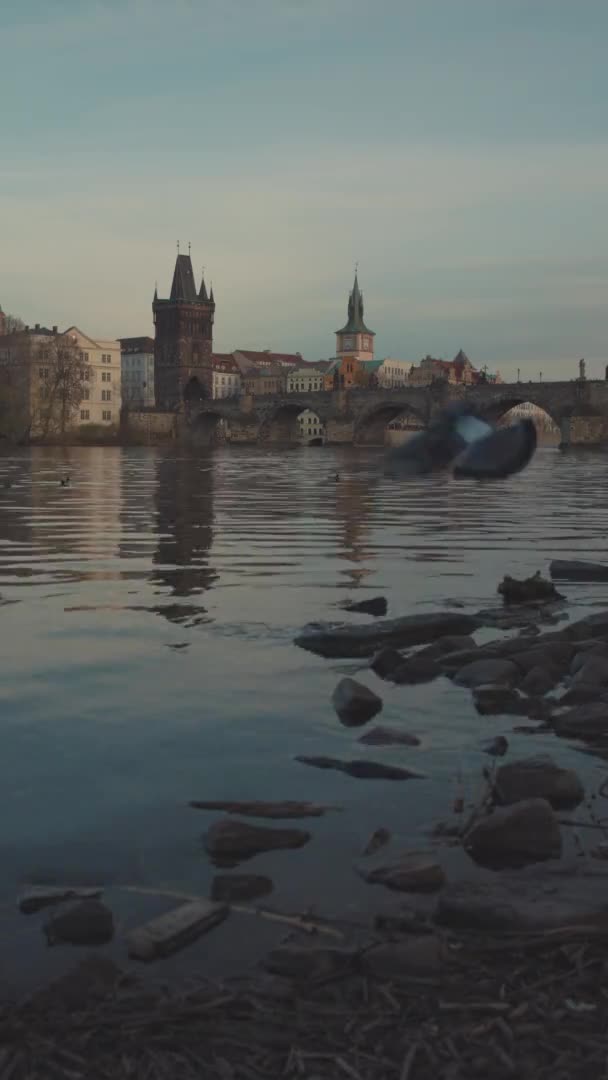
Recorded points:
(529, 1006)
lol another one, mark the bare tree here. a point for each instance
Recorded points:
(63, 376)
(13, 324)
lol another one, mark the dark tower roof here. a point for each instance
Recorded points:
(183, 287)
(202, 295)
(355, 324)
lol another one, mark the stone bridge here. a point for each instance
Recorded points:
(578, 407)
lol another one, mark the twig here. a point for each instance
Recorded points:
(406, 1068)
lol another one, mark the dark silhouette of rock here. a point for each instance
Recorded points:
(524, 900)
(550, 655)
(496, 747)
(362, 770)
(538, 778)
(351, 641)
(388, 736)
(229, 888)
(355, 703)
(230, 841)
(585, 650)
(449, 644)
(512, 836)
(582, 694)
(379, 839)
(591, 626)
(88, 923)
(530, 590)
(583, 721)
(41, 896)
(491, 700)
(593, 672)
(413, 872)
(484, 672)
(417, 669)
(578, 570)
(539, 681)
(386, 661)
(376, 605)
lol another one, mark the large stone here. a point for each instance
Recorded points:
(593, 672)
(530, 590)
(388, 736)
(525, 900)
(355, 703)
(87, 923)
(418, 669)
(490, 700)
(362, 770)
(525, 832)
(539, 681)
(344, 640)
(413, 872)
(41, 896)
(583, 721)
(555, 654)
(449, 644)
(228, 888)
(585, 650)
(538, 778)
(592, 626)
(230, 841)
(578, 570)
(482, 672)
(376, 605)
(420, 956)
(496, 747)
(386, 661)
(582, 694)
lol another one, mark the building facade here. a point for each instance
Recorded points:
(270, 380)
(305, 380)
(137, 372)
(101, 386)
(355, 340)
(227, 381)
(183, 340)
(310, 427)
(394, 373)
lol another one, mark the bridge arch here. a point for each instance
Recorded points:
(280, 423)
(209, 427)
(370, 427)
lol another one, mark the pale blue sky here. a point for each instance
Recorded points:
(457, 148)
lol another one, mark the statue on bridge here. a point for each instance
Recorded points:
(470, 446)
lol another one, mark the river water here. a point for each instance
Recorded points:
(148, 613)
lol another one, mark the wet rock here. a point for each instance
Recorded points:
(491, 700)
(523, 901)
(277, 810)
(482, 672)
(379, 839)
(583, 721)
(540, 708)
(309, 962)
(592, 626)
(514, 835)
(175, 929)
(450, 663)
(555, 655)
(582, 694)
(355, 703)
(41, 896)
(388, 736)
(228, 888)
(417, 670)
(386, 662)
(413, 872)
(539, 681)
(449, 644)
(593, 672)
(350, 641)
(538, 778)
(88, 923)
(534, 589)
(420, 956)
(230, 841)
(585, 650)
(362, 770)
(496, 747)
(578, 570)
(376, 605)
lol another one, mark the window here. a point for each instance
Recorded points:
(85, 393)
(106, 395)
(106, 376)
(84, 358)
(106, 358)
(84, 414)
(44, 372)
(106, 415)
(85, 373)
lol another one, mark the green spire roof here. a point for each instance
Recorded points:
(355, 323)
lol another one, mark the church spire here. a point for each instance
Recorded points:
(203, 289)
(355, 323)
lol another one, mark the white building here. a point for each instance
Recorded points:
(393, 373)
(227, 380)
(137, 372)
(101, 390)
(305, 380)
(310, 426)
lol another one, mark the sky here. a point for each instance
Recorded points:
(456, 149)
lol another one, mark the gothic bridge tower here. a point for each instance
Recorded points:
(183, 340)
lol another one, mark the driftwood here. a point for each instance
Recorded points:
(288, 809)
